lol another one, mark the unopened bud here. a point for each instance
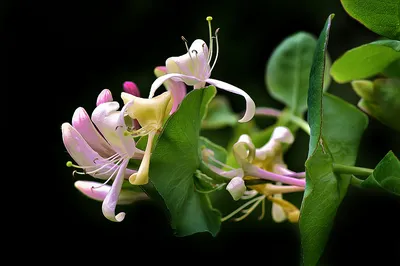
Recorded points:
(236, 187)
(104, 97)
(131, 88)
(283, 135)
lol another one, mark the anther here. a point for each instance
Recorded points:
(69, 164)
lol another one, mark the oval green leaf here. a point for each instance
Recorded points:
(380, 16)
(288, 71)
(380, 99)
(386, 175)
(173, 164)
(336, 129)
(365, 61)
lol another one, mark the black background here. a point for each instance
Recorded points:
(63, 53)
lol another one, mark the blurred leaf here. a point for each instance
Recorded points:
(219, 114)
(392, 70)
(386, 175)
(336, 129)
(380, 16)
(288, 71)
(174, 162)
(380, 99)
(365, 61)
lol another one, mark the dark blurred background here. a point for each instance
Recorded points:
(66, 52)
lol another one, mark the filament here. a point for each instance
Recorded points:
(209, 18)
(217, 50)
(242, 207)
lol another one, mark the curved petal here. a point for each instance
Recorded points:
(81, 121)
(189, 80)
(110, 201)
(107, 119)
(85, 156)
(93, 190)
(250, 105)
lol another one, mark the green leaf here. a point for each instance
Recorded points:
(392, 70)
(174, 161)
(336, 129)
(386, 175)
(219, 114)
(288, 70)
(365, 61)
(380, 99)
(380, 16)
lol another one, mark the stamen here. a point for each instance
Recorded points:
(186, 45)
(241, 208)
(217, 52)
(209, 18)
(262, 210)
(108, 180)
(251, 209)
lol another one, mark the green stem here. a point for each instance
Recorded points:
(301, 123)
(210, 173)
(355, 181)
(353, 170)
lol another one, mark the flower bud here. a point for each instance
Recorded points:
(104, 97)
(236, 187)
(131, 88)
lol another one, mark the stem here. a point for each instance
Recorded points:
(276, 113)
(260, 173)
(353, 170)
(355, 181)
(301, 123)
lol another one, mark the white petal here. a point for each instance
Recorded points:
(159, 81)
(278, 214)
(193, 63)
(84, 155)
(282, 134)
(107, 119)
(250, 105)
(81, 121)
(110, 201)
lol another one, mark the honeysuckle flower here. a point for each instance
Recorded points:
(104, 97)
(111, 126)
(125, 197)
(193, 68)
(267, 162)
(151, 114)
(177, 88)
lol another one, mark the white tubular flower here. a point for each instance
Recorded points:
(193, 68)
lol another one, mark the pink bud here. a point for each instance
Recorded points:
(131, 88)
(104, 97)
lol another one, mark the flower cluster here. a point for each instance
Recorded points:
(105, 144)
